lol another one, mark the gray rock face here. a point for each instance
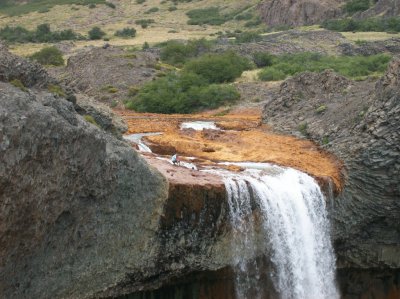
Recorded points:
(360, 124)
(78, 208)
(299, 12)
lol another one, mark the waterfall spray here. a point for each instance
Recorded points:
(294, 226)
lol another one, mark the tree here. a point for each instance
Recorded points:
(96, 33)
(49, 56)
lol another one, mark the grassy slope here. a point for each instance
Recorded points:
(168, 25)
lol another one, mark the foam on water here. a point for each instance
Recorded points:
(199, 125)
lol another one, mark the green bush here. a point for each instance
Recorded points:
(42, 34)
(263, 59)
(49, 56)
(349, 66)
(144, 23)
(354, 6)
(247, 37)
(56, 89)
(15, 8)
(177, 53)
(172, 8)
(181, 93)
(210, 15)
(271, 74)
(96, 33)
(111, 5)
(369, 24)
(140, 1)
(145, 46)
(152, 10)
(218, 68)
(126, 32)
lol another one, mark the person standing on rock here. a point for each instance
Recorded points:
(175, 160)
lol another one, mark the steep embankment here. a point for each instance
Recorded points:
(361, 125)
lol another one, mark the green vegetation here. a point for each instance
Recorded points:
(370, 24)
(181, 93)
(17, 83)
(42, 34)
(109, 89)
(320, 109)
(126, 32)
(354, 6)
(90, 119)
(177, 53)
(144, 23)
(140, 1)
(152, 10)
(110, 5)
(11, 8)
(350, 66)
(247, 37)
(96, 33)
(196, 87)
(210, 15)
(172, 8)
(213, 16)
(218, 68)
(262, 59)
(56, 89)
(145, 46)
(49, 56)
(303, 129)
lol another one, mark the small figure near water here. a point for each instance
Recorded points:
(175, 160)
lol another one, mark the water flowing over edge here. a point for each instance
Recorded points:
(293, 223)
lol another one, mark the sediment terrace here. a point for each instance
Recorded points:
(241, 138)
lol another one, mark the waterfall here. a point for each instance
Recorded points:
(281, 211)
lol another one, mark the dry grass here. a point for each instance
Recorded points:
(168, 25)
(249, 76)
(369, 36)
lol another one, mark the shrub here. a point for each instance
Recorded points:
(353, 6)
(109, 89)
(172, 8)
(42, 34)
(320, 109)
(271, 74)
(369, 24)
(181, 93)
(349, 66)
(144, 23)
(151, 10)
(49, 56)
(145, 46)
(247, 37)
(263, 59)
(56, 89)
(219, 68)
(177, 53)
(126, 32)
(210, 15)
(111, 5)
(90, 119)
(253, 23)
(96, 33)
(140, 1)
(92, 5)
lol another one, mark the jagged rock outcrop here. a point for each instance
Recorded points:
(82, 215)
(299, 12)
(361, 125)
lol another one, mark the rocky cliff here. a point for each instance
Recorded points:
(299, 12)
(82, 215)
(360, 124)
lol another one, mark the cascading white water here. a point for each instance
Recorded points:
(294, 225)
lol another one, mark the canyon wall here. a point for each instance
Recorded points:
(360, 124)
